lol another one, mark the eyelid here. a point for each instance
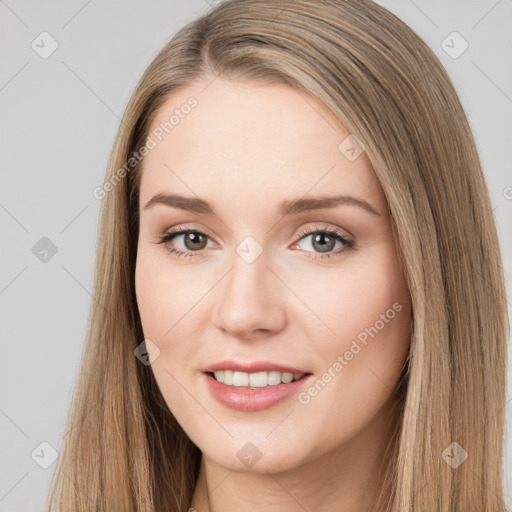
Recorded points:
(182, 228)
(321, 226)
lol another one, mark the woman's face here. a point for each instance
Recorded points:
(273, 274)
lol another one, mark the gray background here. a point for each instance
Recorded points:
(59, 116)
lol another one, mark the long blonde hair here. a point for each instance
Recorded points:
(123, 449)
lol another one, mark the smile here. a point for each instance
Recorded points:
(255, 380)
(254, 398)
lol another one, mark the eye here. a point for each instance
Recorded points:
(194, 241)
(322, 240)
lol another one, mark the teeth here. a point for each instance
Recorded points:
(255, 380)
(240, 379)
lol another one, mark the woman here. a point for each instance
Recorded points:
(300, 301)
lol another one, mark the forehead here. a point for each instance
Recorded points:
(263, 142)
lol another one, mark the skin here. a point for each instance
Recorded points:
(245, 148)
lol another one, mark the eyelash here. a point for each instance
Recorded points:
(168, 236)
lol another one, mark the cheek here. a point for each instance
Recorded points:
(165, 303)
(158, 299)
(367, 311)
(171, 299)
(165, 294)
(364, 291)
(361, 328)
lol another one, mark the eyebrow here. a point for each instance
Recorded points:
(287, 207)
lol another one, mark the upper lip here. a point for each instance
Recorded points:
(255, 366)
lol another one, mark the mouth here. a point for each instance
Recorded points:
(256, 380)
(254, 392)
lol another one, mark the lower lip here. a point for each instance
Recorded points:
(252, 399)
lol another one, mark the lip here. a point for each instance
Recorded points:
(253, 399)
(255, 366)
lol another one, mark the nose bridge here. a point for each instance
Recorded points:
(248, 278)
(249, 300)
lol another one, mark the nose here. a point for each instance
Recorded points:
(251, 300)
